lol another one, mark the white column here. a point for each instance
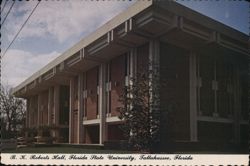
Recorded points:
(71, 109)
(193, 97)
(133, 62)
(154, 67)
(80, 109)
(102, 104)
(154, 76)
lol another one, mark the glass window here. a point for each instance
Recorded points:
(206, 72)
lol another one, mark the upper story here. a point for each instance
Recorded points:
(166, 21)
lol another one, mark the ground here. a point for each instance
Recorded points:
(76, 150)
(63, 150)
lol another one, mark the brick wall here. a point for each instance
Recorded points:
(52, 105)
(115, 132)
(43, 108)
(74, 113)
(91, 134)
(117, 82)
(76, 93)
(142, 57)
(175, 91)
(64, 105)
(33, 110)
(91, 104)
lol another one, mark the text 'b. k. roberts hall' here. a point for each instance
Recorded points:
(205, 65)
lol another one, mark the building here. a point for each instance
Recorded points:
(205, 63)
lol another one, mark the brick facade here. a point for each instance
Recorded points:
(117, 82)
(174, 93)
(33, 111)
(91, 105)
(43, 108)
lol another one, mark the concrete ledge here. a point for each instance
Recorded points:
(92, 121)
(113, 119)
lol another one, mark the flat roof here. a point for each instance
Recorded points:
(117, 20)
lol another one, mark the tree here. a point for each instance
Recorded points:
(12, 113)
(141, 109)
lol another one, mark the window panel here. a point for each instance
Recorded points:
(206, 93)
(222, 86)
(225, 98)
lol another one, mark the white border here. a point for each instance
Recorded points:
(129, 159)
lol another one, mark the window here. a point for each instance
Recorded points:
(244, 89)
(225, 100)
(206, 77)
(216, 85)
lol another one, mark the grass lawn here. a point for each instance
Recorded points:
(70, 150)
(63, 150)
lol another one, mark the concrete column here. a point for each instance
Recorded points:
(102, 104)
(193, 97)
(154, 67)
(154, 75)
(80, 109)
(132, 69)
(56, 108)
(71, 109)
(133, 62)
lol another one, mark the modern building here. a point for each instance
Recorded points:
(204, 62)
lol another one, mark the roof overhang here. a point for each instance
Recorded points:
(145, 20)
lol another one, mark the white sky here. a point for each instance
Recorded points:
(55, 26)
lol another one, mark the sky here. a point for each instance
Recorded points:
(55, 26)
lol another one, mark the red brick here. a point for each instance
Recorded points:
(117, 82)
(92, 93)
